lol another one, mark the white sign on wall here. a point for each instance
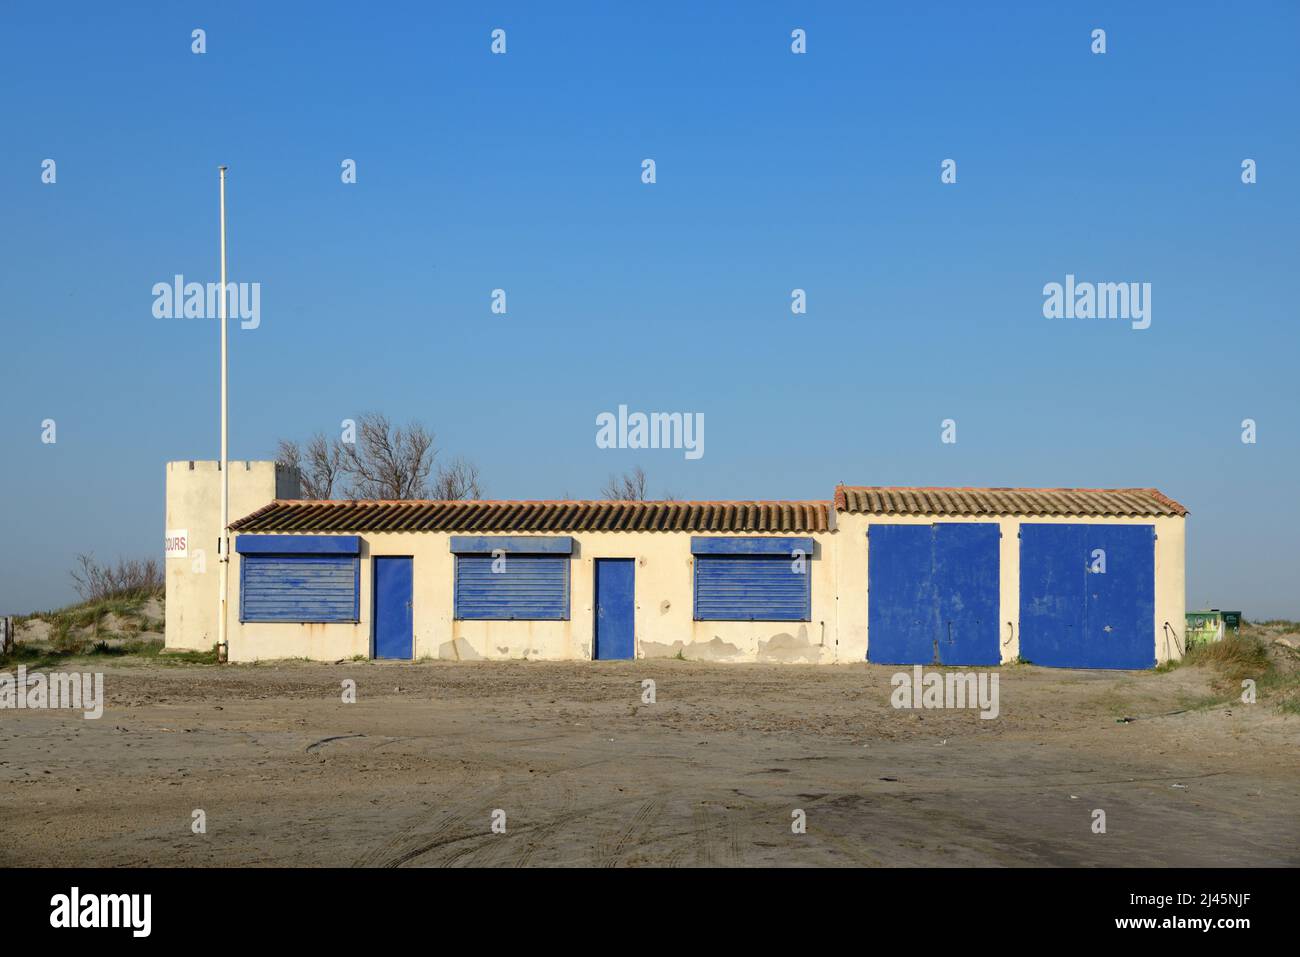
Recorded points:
(177, 543)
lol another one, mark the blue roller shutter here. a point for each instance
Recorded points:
(526, 580)
(752, 579)
(299, 578)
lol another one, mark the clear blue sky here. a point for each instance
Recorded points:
(775, 171)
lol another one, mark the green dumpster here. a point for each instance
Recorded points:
(1211, 625)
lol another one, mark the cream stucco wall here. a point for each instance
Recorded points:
(664, 621)
(1170, 582)
(664, 618)
(193, 503)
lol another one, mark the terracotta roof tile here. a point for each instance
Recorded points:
(571, 516)
(1099, 502)
(776, 517)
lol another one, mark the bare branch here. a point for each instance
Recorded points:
(289, 455)
(385, 462)
(388, 462)
(324, 467)
(628, 487)
(129, 578)
(459, 480)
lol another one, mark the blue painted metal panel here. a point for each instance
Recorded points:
(298, 588)
(1072, 614)
(933, 594)
(1121, 600)
(967, 586)
(902, 608)
(752, 588)
(298, 544)
(751, 545)
(1053, 596)
(512, 544)
(615, 609)
(393, 612)
(514, 588)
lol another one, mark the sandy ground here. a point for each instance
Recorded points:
(587, 774)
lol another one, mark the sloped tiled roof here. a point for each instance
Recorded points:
(1100, 502)
(588, 516)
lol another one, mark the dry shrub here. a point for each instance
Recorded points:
(129, 578)
(1236, 656)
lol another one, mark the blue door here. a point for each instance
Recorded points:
(615, 608)
(933, 594)
(393, 622)
(902, 615)
(1087, 595)
(1053, 599)
(967, 564)
(1122, 599)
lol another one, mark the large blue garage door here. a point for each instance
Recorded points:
(932, 594)
(1087, 595)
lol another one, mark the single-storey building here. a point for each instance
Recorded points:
(1085, 578)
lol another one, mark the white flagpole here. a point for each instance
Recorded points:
(224, 544)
